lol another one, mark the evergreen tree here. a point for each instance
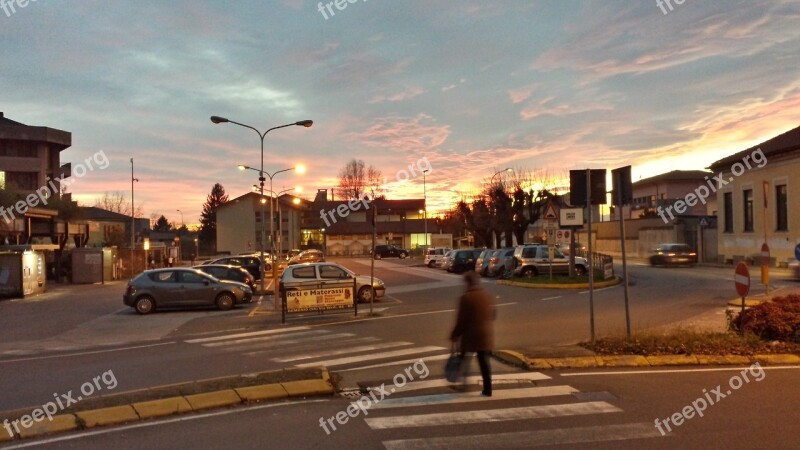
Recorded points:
(208, 218)
(162, 224)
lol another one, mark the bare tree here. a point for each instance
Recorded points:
(356, 179)
(116, 202)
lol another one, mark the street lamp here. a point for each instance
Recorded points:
(183, 224)
(300, 169)
(507, 169)
(302, 123)
(425, 207)
(133, 219)
(296, 201)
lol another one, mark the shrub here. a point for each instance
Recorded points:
(777, 320)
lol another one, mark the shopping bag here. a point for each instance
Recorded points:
(452, 368)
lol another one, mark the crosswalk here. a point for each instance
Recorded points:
(442, 420)
(302, 347)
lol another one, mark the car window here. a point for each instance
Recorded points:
(304, 272)
(529, 252)
(251, 261)
(216, 271)
(191, 277)
(164, 277)
(332, 272)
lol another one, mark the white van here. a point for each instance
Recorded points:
(433, 254)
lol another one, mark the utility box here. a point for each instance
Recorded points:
(94, 265)
(22, 273)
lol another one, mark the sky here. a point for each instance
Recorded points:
(464, 88)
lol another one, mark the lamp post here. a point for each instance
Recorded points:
(300, 169)
(302, 123)
(183, 224)
(296, 201)
(425, 209)
(133, 219)
(507, 169)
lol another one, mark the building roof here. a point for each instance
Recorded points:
(102, 215)
(13, 130)
(285, 199)
(675, 175)
(780, 144)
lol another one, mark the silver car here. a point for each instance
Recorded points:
(317, 275)
(533, 260)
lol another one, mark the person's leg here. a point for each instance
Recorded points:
(486, 372)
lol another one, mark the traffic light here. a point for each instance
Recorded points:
(577, 187)
(621, 183)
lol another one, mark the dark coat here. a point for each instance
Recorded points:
(474, 325)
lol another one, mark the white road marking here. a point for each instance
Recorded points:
(352, 359)
(448, 399)
(362, 348)
(656, 372)
(552, 437)
(505, 378)
(87, 353)
(262, 339)
(490, 415)
(552, 298)
(240, 335)
(397, 363)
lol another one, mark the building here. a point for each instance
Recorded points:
(239, 223)
(662, 191)
(107, 228)
(345, 226)
(756, 200)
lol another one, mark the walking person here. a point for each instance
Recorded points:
(475, 328)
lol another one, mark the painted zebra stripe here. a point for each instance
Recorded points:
(242, 335)
(352, 359)
(449, 399)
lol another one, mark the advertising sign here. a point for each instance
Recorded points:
(319, 299)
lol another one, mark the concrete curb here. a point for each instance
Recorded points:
(582, 362)
(600, 284)
(149, 409)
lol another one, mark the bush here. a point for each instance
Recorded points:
(777, 320)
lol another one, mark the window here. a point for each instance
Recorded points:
(782, 218)
(304, 272)
(190, 277)
(747, 198)
(728, 210)
(163, 277)
(332, 272)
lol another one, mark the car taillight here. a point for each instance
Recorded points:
(493, 259)
(131, 289)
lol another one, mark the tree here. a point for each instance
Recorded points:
(116, 202)
(356, 179)
(208, 218)
(162, 224)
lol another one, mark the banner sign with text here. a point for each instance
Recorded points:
(319, 299)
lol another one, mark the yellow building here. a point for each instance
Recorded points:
(757, 200)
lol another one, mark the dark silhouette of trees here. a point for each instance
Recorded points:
(208, 218)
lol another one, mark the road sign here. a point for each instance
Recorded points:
(562, 236)
(742, 279)
(550, 213)
(704, 222)
(550, 225)
(571, 217)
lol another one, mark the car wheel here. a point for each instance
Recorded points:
(580, 270)
(529, 272)
(145, 305)
(365, 294)
(377, 256)
(432, 264)
(403, 255)
(225, 301)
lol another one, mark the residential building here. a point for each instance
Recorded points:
(239, 223)
(662, 191)
(756, 200)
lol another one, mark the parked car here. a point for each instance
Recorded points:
(182, 287)
(307, 256)
(464, 260)
(533, 260)
(500, 262)
(445, 261)
(482, 261)
(292, 253)
(667, 254)
(794, 266)
(251, 263)
(433, 255)
(228, 272)
(389, 251)
(318, 274)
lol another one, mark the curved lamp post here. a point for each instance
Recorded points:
(302, 123)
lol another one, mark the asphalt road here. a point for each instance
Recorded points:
(56, 342)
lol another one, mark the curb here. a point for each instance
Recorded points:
(600, 284)
(583, 362)
(155, 408)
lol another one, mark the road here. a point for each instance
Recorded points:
(57, 342)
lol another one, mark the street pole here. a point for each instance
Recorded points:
(425, 209)
(590, 259)
(624, 257)
(133, 222)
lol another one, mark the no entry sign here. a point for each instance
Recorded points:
(742, 279)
